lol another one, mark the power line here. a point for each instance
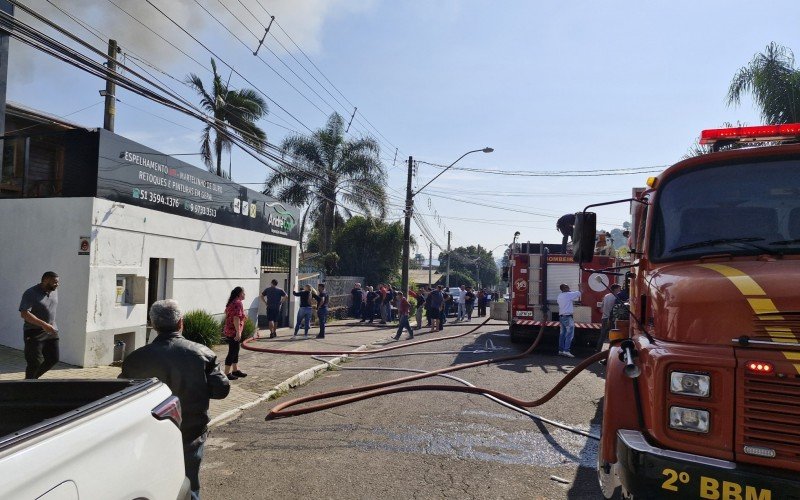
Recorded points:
(260, 4)
(226, 64)
(37, 39)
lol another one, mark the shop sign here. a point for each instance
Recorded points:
(131, 173)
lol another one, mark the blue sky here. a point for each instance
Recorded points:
(549, 85)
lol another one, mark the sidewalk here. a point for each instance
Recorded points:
(268, 375)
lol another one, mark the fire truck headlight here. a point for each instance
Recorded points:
(690, 384)
(688, 419)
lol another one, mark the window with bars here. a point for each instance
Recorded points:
(275, 258)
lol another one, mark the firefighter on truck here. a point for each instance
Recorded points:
(702, 395)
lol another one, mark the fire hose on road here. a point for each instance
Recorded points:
(391, 387)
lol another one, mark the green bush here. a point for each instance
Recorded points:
(249, 329)
(201, 327)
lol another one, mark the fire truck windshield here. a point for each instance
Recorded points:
(742, 209)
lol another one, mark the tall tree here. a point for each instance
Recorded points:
(236, 112)
(378, 262)
(331, 176)
(774, 83)
(474, 261)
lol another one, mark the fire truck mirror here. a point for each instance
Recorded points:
(583, 236)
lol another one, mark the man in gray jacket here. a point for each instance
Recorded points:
(192, 373)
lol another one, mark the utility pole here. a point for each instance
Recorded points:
(447, 278)
(111, 88)
(407, 228)
(430, 265)
(7, 8)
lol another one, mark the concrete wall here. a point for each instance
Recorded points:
(41, 235)
(206, 262)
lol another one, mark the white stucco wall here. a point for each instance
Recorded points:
(41, 235)
(208, 261)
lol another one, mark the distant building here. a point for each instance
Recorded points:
(124, 226)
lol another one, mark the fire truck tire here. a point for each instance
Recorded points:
(515, 333)
(609, 484)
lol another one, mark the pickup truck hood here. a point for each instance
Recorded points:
(712, 303)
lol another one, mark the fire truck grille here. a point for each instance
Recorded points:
(771, 416)
(779, 327)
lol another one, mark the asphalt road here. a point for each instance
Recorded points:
(419, 444)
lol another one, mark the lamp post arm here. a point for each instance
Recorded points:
(443, 171)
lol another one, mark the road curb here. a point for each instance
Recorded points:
(290, 383)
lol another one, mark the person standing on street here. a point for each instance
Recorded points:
(609, 300)
(304, 312)
(565, 309)
(358, 297)
(273, 297)
(369, 305)
(482, 301)
(39, 331)
(322, 309)
(469, 302)
(436, 306)
(191, 372)
(566, 225)
(420, 306)
(447, 299)
(234, 325)
(462, 304)
(403, 310)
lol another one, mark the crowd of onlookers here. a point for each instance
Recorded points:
(386, 303)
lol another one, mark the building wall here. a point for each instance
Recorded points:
(206, 262)
(41, 235)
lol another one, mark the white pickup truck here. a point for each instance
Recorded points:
(90, 439)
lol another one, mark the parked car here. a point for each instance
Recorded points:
(109, 439)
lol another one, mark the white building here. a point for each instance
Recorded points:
(124, 226)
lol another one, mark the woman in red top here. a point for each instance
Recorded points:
(234, 323)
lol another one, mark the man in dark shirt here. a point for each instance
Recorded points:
(469, 302)
(358, 298)
(437, 304)
(565, 225)
(273, 297)
(369, 306)
(40, 333)
(192, 373)
(322, 309)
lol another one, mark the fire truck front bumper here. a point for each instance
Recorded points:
(649, 472)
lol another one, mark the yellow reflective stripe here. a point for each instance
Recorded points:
(797, 367)
(792, 356)
(762, 306)
(743, 282)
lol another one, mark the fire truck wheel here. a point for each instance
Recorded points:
(610, 486)
(516, 335)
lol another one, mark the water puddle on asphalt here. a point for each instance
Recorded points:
(479, 441)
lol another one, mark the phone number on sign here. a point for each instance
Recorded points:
(158, 198)
(200, 209)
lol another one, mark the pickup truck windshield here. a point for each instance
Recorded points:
(742, 209)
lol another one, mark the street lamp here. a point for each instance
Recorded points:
(410, 206)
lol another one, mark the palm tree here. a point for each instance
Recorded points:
(332, 177)
(774, 83)
(235, 111)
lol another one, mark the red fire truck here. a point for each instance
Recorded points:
(535, 273)
(702, 395)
